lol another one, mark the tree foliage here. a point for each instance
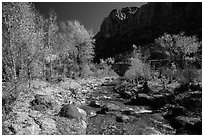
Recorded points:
(80, 45)
(23, 37)
(30, 40)
(138, 70)
(34, 46)
(179, 49)
(184, 53)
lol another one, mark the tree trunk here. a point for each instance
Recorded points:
(50, 71)
(28, 72)
(14, 77)
(14, 66)
(43, 70)
(79, 63)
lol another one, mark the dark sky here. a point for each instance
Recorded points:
(90, 14)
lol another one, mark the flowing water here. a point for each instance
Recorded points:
(116, 118)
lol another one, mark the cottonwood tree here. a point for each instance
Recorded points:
(80, 45)
(23, 36)
(7, 62)
(11, 22)
(179, 49)
(31, 35)
(51, 29)
(181, 52)
(61, 48)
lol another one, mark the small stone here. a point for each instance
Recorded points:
(40, 107)
(84, 124)
(112, 107)
(94, 103)
(122, 118)
(106, 97)
(127, 111)
(92, 114)
(83, 113)
(41, 100)
(103, 110)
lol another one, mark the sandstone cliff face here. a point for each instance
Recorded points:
(133, 25)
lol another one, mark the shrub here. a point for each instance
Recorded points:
(104, 69)
(138, 70)
(169, 73)
(88, 70)
(188, 75)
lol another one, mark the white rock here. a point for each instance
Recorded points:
(92, 114)
(84, 125)
(82, 112)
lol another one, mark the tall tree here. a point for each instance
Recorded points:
(81, 47)
(24, 36)
(179, 49)
(11, 22)
(51, 30)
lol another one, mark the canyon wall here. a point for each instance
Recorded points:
(132, 25)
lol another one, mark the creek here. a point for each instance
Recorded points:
(108, 114)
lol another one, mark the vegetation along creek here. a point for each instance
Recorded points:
(140, 74)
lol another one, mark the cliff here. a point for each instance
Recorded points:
(133, 25)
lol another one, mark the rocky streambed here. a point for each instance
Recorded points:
(100, 107)
(108, 114)
(176, 110)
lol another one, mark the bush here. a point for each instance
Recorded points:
(138, 70)
(188, 75)
(88, 70)
(104, 69)
(169, 73)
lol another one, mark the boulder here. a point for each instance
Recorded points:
(70, 111)
(83, 114)
(66, 126)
